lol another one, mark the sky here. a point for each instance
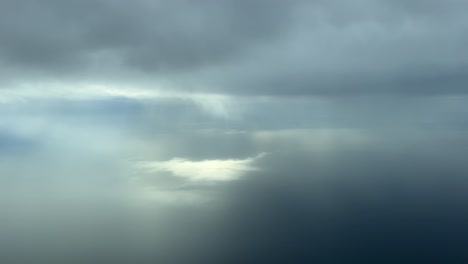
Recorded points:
(233, 131)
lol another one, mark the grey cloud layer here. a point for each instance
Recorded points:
(242, 47)
(146, 35)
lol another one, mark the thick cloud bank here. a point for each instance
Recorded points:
(241, 47)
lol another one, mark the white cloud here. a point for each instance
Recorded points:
(203, 171)
(220, 106)
(81, 91)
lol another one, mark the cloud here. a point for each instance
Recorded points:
(14, 144)
(368, 47)
(69, 38)
(361, 103)
(203, 171)
(257, 47)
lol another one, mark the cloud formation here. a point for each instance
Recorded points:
(326, 48)
(74, 38)
(202, 171)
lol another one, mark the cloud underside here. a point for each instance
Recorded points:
(328, 48)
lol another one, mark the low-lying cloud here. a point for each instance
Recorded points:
(204, 170)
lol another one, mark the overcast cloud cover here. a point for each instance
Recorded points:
(240, 47)
(233, 131)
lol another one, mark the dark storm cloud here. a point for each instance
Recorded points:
(56, 36)
(242, 47)
(364, 47)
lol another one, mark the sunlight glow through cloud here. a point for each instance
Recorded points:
(205, 170)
